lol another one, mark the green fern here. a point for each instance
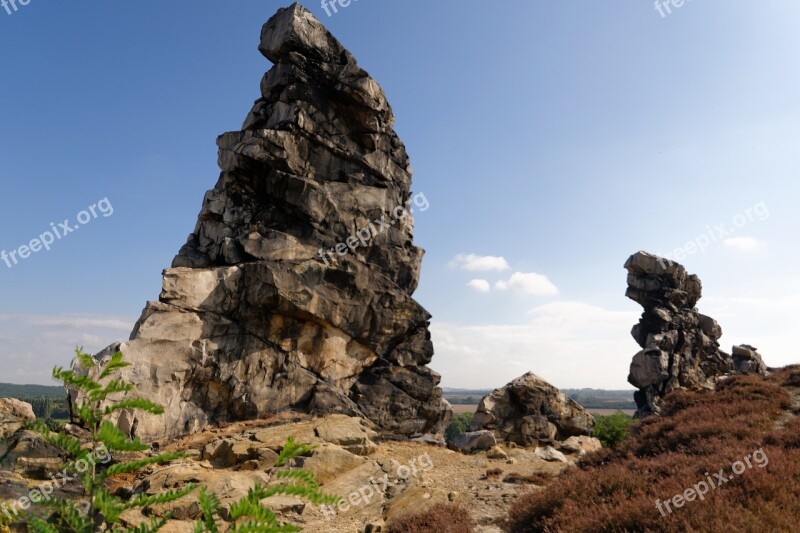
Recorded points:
(249, 515)
(104, 512)
(291, 450)
(104, 509)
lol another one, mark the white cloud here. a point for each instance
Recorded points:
(31, 345)
(78, 322)
(744, 244)
(570, 344)
(479, 285)
(766, 322)
(528, 283)
(479, 263)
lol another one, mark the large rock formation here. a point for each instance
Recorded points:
(295, 289)
(529, 411)
(680, 347)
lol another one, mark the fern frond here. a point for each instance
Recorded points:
(143, 500)
(117, 441)
(154, 525)
(291, 450)
(137, 403)
(209, 506)
(114, 364)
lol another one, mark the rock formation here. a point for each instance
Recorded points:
(529, 411)
(14, 414)
(295, 288)
(680, 347)
(747, 360)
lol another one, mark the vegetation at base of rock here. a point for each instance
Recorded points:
(458, 425)
(611, 430)
(617, 489)
(442, 518)
(249, 515)
(103, 510)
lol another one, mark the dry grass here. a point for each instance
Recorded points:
(441, 518)
(616, 491)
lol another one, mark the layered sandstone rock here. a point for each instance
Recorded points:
(256, 314)
(680, 347)
(529, 411)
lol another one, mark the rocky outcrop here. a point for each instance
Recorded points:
(747, 360)
(680, 347)
(529, 411)
(295, 288)
(14, 414)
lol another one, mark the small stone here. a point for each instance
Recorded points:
(496, 452)
(549, 453)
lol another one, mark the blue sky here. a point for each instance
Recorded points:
(552, 140)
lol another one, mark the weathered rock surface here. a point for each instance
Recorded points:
(475, 441)
(255, 317)
(747, 360)
(529, 411)
(680, 347)
(14, 414)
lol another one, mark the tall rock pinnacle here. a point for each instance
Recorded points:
(680, 346)
(295, 288)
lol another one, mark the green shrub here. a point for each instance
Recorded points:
(458, 425)
(613, 429)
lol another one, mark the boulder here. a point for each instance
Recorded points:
(347, 432)
(14, 414)
(580, 445)
(528, 411)
(550, 454)
(295, 289)
(680, 348)
(475, 441)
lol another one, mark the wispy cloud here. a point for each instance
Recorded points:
(479, 285)
(31, 345)
(528, 283)
(744, 244)
(571, 344)
(479, 263)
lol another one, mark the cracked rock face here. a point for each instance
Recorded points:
(252, 318)
(680, 347)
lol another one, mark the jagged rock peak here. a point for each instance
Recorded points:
(265, 307)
